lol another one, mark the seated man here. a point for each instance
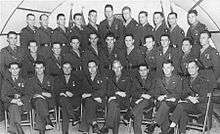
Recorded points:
(194, 99)
(141, 96)
(167, 91)
(42, 94)
(15, 97)
(93, 95)
(68, 89)
(119, 86)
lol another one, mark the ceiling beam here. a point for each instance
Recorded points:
(197, 3)
(33, 10)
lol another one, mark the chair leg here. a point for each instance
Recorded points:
(59, 120)
(56, 118)
(30, 119)
(130, 126)
(6, 122)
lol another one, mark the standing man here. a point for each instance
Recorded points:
(43, 36)
(28, 33)
(41, 88)
(160, 27)
(111, 24)
(92, 27)
(144, 28)
(176, 33)
(15, 96)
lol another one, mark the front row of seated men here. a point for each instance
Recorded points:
(119, 90)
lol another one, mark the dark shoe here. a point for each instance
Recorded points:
(170, 130)
(150, 128)
(95, 128)
(41, 132)
(104, 130)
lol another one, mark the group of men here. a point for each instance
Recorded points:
(117, 65)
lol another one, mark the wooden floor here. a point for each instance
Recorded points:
(123, 130)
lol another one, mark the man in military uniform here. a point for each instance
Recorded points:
(119, 92)
(92, 27)
(61, 33)
(15, 97)
(28, 33)
(10, 53)
(43, 36)
(111, 24)
(160, 27)
(130, 25)
(194, 98)
(41, 90)
(144, 28)
(176, 33)
(68, 87)
(141, 96)
(167, 91)
(93, 95)
(79, 30)
(27, 70)
(209, 59)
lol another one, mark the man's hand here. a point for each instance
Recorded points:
(194, 100)
(46, 94)
(98, 99)
(69, 94)
(162, 97)
(111, 98)
(20, 103)
(171, 99)
(14, 101)
(138, 101)
(145, 96)
(17, 96)
(120, 93)
(62, 94)
(86, 95)
(38, 96)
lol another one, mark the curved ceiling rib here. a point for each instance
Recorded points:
(197, 4)
(39, 11)
(57, 7)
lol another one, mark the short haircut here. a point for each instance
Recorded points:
(193, 12)
(38, 62)
(14, 63)
(149, 36)
(166, 35)
(143, 12)
(196, 61)
(67, 62)
(206, 32)
(116, 61)
(90, 61)
(42, 16)
(187, 39)
(32, 41)
(173, 13)
(77, 14)
(55, 43)
(92, 11)
(59, 15)
(129, 34)
(93, 33)
(160, 13)
(109, 6)
(74, 37)
(143, 65)
(126, 8)
(30, 14)
(110, 34)
(168, 62)
(11, 32)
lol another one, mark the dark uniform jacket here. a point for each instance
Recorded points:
(176, 36)
(172, 88)
(43, 36)
(143, 31)
(10, 88)
(27, 35)
(74, 59)
(90, 29)
(162, 29)
(131, 28)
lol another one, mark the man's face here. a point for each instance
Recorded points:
(117, 68)
(108, 13)
(110, 42)
(31, 20)
(14, 70)
(39, 69)
(192, 68)
(172, 20)
(93, 39)
(186, 47)
(143, 71)
(61, 20)
(142, 18)
(204, 39)
(33, 47)
(129, 41)
(12, 39)
(158, 19)
(75, 43)
(67, 69)
(192, 18)
(92, 68)
(44, 20)
(149, 43)
(165, 42)
(93, 17)
(167, 69)
(126, 14)
(78, 20)
(56, 49)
